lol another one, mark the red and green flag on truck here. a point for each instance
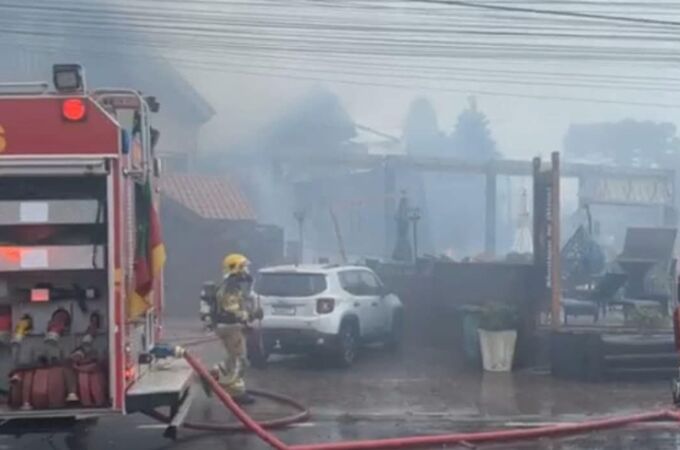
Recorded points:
(150, 252)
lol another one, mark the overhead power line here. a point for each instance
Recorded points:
(435, 89)
(357, 46)
(423, 74)
(552, 12)
(265, 17)
(291, 74)
(383, 66)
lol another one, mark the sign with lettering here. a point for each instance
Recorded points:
(638, 190)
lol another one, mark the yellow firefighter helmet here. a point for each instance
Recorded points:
(235, 263)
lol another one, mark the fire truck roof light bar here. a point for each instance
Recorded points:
(13, 166)
(17, 88)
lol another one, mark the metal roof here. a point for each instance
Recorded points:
(208, 196)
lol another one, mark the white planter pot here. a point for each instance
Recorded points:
(498, 349)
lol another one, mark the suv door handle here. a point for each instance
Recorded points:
(356, 304)
(374, 304)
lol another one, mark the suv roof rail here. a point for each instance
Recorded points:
(331, 266)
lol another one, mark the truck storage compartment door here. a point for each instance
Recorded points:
(56, 278)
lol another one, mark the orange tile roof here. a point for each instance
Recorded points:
(208, 196)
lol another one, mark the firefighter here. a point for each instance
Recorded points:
(234, 314)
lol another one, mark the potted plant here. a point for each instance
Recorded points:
(498, 336)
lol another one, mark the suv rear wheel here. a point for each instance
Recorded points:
(255, 349)
(348, 344)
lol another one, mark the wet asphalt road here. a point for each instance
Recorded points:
(133, 434)
(418, 392)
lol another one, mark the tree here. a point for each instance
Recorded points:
(421, 132)
(471, 139)
(628, 142)
(463, 196)
(315, 123)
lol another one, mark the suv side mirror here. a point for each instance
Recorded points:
(384, 291)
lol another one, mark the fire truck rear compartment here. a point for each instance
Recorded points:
(54, 232)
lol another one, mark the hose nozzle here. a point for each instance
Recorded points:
(161, 351)
(58, 325)
(24, 326)
(92, 329)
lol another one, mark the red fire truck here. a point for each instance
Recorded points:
(81, 295)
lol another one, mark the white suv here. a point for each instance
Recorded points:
(329, 309)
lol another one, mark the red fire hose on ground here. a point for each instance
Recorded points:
(420, 441)
(300, 416)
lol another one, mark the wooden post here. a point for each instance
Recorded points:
(540, 238)
(555, 272)
(536, 211)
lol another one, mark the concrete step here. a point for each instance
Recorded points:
(641, 360)
(594, 356)
(638, 344)
(641, 373)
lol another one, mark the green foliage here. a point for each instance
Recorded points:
(421, 129)
(646, 318)
(316, 122)
(499, 317)
(471, 139)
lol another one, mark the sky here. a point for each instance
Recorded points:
(523, 128)
(534, 69)
(534, 66)
(624, 69)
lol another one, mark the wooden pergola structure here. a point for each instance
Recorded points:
(598, 184)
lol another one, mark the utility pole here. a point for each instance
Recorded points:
(414, 216)
(300, 218)
(338, 236)
(390, 188)
(490, 216)
(555, 271)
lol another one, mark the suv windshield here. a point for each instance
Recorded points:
(290, 284)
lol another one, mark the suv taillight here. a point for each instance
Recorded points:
(325, 305)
